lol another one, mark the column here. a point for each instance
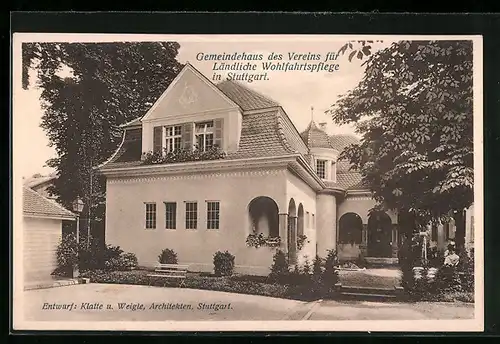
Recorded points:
(395, 241)
(292, 239)
(283, 228)
(364, 240)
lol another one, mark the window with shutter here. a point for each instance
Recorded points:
(157, 139)
(218, 132)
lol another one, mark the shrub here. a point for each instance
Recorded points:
(330, 274)
(66, 255)
(279, 269)
(361, 261)
(167, 256)
(223, 263)
(125, 261)
(466, 270)
(98, 256)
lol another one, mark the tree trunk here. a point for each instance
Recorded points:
(459, 218)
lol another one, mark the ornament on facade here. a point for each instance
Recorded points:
(188, 96)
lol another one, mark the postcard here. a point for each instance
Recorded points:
(247, 182)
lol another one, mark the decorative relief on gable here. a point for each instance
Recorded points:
(188, 96)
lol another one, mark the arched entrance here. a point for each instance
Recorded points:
(263, 215)
(379, 235)
(292, 232)
(350, 229)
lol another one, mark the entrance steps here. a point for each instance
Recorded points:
(369, 293)
(378, 261)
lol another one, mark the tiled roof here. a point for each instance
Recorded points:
(262, 135)
(315, 137)
(339, 142)
(245, 97)
(33, 182)
(36, 205)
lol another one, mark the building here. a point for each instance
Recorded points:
(42, 231)
(41, 185)
(273, 180)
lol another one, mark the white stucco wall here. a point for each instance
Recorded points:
(41, 237)
(326, 223)
(125, 217)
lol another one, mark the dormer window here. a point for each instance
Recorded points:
(321, 168)
(173, 138)
(204, 133)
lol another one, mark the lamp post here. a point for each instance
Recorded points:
(77, 208)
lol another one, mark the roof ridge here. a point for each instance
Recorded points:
(49, 201)
(282, 135)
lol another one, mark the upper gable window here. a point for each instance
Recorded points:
(173, 138)
(204, 133)
(321, 168)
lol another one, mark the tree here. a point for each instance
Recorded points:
(88, 90)
(414, 111)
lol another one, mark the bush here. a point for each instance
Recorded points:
(279, 269)
(330, 274)
(223, 263)
(361, 261)
(66, 255)
(125, 261)
(167, 256)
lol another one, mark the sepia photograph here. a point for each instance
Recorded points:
(247, 182)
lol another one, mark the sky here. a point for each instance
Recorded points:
(297, 92)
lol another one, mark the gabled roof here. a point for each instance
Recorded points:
(245, 97)
(315, 137)
(35, 204)
(36, 181)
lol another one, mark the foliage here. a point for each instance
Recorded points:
(223, 263)
(358, 49)
(330, 274)
(259, 240)
(183, 155)
(91, 256)
(125, 261)
(167, 256)
(67, 253)
(279, 269)
(87, 91)
(301, 240)
(413, 108)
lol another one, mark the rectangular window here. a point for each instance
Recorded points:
(308, 224)
(191, 215)
(204, 133)
(170, 215)
(321, 168)
(150, 215)
(313, 223)
(173, 138)
(213, 209)
(446, 229)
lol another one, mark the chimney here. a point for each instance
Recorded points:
(322, 126)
